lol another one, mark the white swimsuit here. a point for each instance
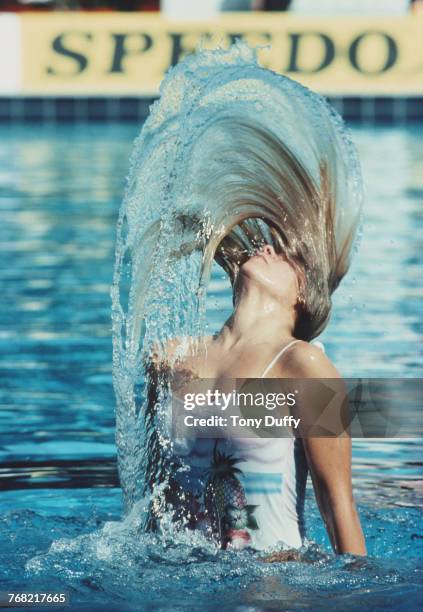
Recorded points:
(249, 490)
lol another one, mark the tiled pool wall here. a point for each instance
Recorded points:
(69, 109)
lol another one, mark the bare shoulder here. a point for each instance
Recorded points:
(178, 349)
(305, 360)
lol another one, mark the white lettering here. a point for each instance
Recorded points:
(286, 421)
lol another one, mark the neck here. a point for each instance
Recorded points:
(258, 318)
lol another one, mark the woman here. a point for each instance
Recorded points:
(260, 501)
(238, 165)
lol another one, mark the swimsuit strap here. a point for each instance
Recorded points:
(274, 360)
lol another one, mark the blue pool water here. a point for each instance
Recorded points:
(60, 503)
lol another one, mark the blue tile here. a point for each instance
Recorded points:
(128, 109)
(33, 110)
(5, 109)
(378, 109)
(97, 109)
(384, 109)
(65, 109)
(352, 108)
(414, 109)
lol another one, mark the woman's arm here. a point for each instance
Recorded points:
(329, 458)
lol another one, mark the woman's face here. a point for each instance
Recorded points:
(272, 273)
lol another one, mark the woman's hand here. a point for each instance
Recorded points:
(282, 556)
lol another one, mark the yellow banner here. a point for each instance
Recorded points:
(128, 54)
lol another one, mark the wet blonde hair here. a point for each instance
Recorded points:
(262, 193)
(232, 155)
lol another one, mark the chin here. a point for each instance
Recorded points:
(252, 265)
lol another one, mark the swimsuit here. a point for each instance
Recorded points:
(247, 491)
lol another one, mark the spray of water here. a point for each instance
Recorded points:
(192, 187)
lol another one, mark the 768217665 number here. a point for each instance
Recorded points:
(22, 599)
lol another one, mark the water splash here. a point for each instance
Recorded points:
(118, 566)
(183, 197)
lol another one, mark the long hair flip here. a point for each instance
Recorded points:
(231, 156)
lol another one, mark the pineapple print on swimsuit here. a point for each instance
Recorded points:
(226, 506)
